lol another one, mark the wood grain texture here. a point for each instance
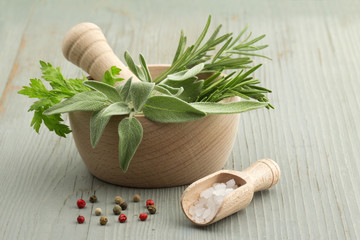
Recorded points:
(85, 45)
(313, 133)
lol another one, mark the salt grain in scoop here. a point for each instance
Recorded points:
(206, 207)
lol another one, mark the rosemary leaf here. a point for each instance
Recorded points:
(202, 35)
(181, 46)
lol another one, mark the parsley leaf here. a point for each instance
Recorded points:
(61, 88)
(110, 76)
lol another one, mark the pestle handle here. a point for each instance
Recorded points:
(85, 46)
(263, 174)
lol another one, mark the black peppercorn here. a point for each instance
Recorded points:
(93, 199)
(123, 205)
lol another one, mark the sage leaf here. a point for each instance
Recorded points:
(168, 109)
(192, 88)
(109, 91)
(228, 108)
(117, 108)
(191, 91)
(145, 69)
(130, 135)
(100, 119)
(130, 62)
(163, 88)
(139, 93)
(123, 90)
(85, 101)
(140, 73)
(98, 123)
(192, 72)
(133, 67)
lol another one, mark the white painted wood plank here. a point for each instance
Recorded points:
(312, 133)
(11, 38)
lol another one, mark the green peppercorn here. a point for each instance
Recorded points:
(93, 199)
(151, 209)
(136, 198)
(117, 210)
(123, 205)
(103, 220)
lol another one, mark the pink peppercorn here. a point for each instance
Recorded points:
(81, 203)
(143, 216)
(149, 202)
(80, 219)
(122, 218)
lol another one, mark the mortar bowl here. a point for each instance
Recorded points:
(170, 154)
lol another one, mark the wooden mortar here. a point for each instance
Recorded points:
(170, 154)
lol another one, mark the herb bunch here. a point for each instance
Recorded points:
(179, 94)
(229, 56)
(197, 59)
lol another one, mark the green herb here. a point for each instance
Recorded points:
(107, 101)
(85, 101)
(240, 85)
(139, 93)
(222, 59)
(227, 108)
(110, 77)
(169, 109)
(195, 59)
(142, 73)
(176, 95)
(104, 89)
(62, 88)
(130, 135)
(98, 122)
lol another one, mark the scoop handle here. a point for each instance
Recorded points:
(263, 174)
(85, 46)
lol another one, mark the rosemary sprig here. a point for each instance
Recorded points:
(241, 85)
(230, 56)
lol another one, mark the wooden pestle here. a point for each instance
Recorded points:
(260, 175)
(85, 45)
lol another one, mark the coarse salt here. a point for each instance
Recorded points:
(206, 207)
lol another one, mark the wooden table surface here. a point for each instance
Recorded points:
(313, 133)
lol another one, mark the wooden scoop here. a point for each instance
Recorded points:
(262, 174)
(85, 46)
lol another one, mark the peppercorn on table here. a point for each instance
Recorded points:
(312, 133)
